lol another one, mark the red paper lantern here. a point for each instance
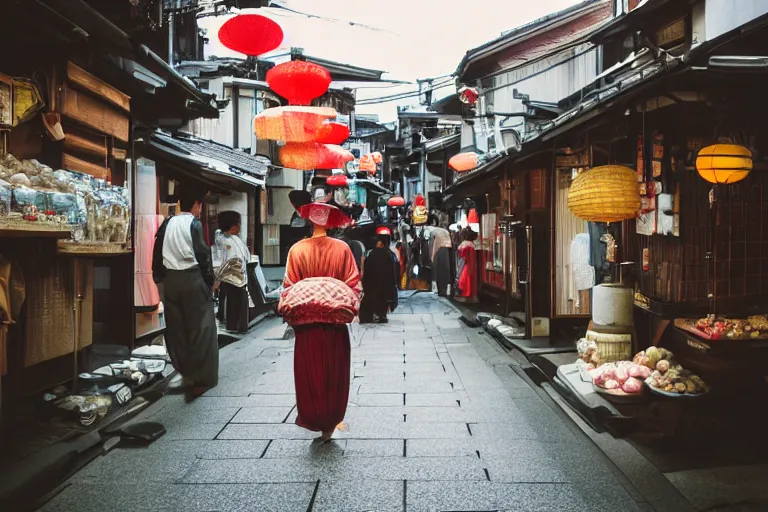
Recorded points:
(251, 34)
(464, 162)
(396, 201)
(332, 133)
(299, 81)
(291, 124)
(306, 156)
(333, 156)
(336, 180)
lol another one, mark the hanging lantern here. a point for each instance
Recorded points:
(336, 180)
(332, 133)
(251, 34)
(306, 156)
(367, 164)
(605, 194)
(291, 124)
(377, 158)
(396, 201)
(299, 81)
(724, 163)
(464, 162)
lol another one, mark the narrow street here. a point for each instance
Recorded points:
(439, 419)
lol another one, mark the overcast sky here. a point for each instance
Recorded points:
(409, 39)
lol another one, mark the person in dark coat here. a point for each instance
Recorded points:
(379, 283)
(182, 262)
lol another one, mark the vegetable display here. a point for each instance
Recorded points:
(655, 367)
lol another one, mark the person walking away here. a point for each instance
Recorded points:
(234, 302)
(467, 280)
(442, 256)
(322, 288)
(379, 282)
(181, 261)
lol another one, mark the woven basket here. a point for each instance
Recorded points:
(612, 347)
(25, 225)
(605, 194)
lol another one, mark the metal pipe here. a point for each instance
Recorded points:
(528, 287)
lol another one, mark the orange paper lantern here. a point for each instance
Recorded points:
(464, 162)
(251, 34)
(306, 156)
(396, 201)
(367, 164)
(291, 124)
(299, 81)
(332, 133)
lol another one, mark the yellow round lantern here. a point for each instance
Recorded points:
(605, 194)
(724, 163)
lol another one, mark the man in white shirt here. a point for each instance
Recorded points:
(182, 262)
(233, 292)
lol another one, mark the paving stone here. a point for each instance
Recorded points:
(430, 400)
(138, 465)
(378, 400)
(219, 449)
(274, 431)
(556, 432)
(271, 400)
(280, 448)
(359, 496)
(195, 498)
(202, 431)
(346, 468)
(374, 448)
(406, 387)
(262, 415)
(489, 496)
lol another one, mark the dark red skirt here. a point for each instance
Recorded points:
(321, 366)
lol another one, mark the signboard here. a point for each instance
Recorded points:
(580, 159)
(672, 34)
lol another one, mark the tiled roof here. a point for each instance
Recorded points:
(255, 165)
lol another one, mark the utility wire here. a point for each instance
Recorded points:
(439, 85)
(403, 95)
(276, 5)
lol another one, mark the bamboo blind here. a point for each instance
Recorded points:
(568, 300)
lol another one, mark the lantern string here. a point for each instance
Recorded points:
(276, 5)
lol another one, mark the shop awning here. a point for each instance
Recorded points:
(216, 162)
(441, 143)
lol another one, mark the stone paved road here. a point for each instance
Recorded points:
(438, 421)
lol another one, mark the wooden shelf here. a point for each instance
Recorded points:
(33, 231)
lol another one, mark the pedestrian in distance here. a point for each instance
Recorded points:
(379, 281)
(182, 262)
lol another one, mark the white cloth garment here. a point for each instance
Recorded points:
(231, 247)
(178, 251)
(583, 272)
